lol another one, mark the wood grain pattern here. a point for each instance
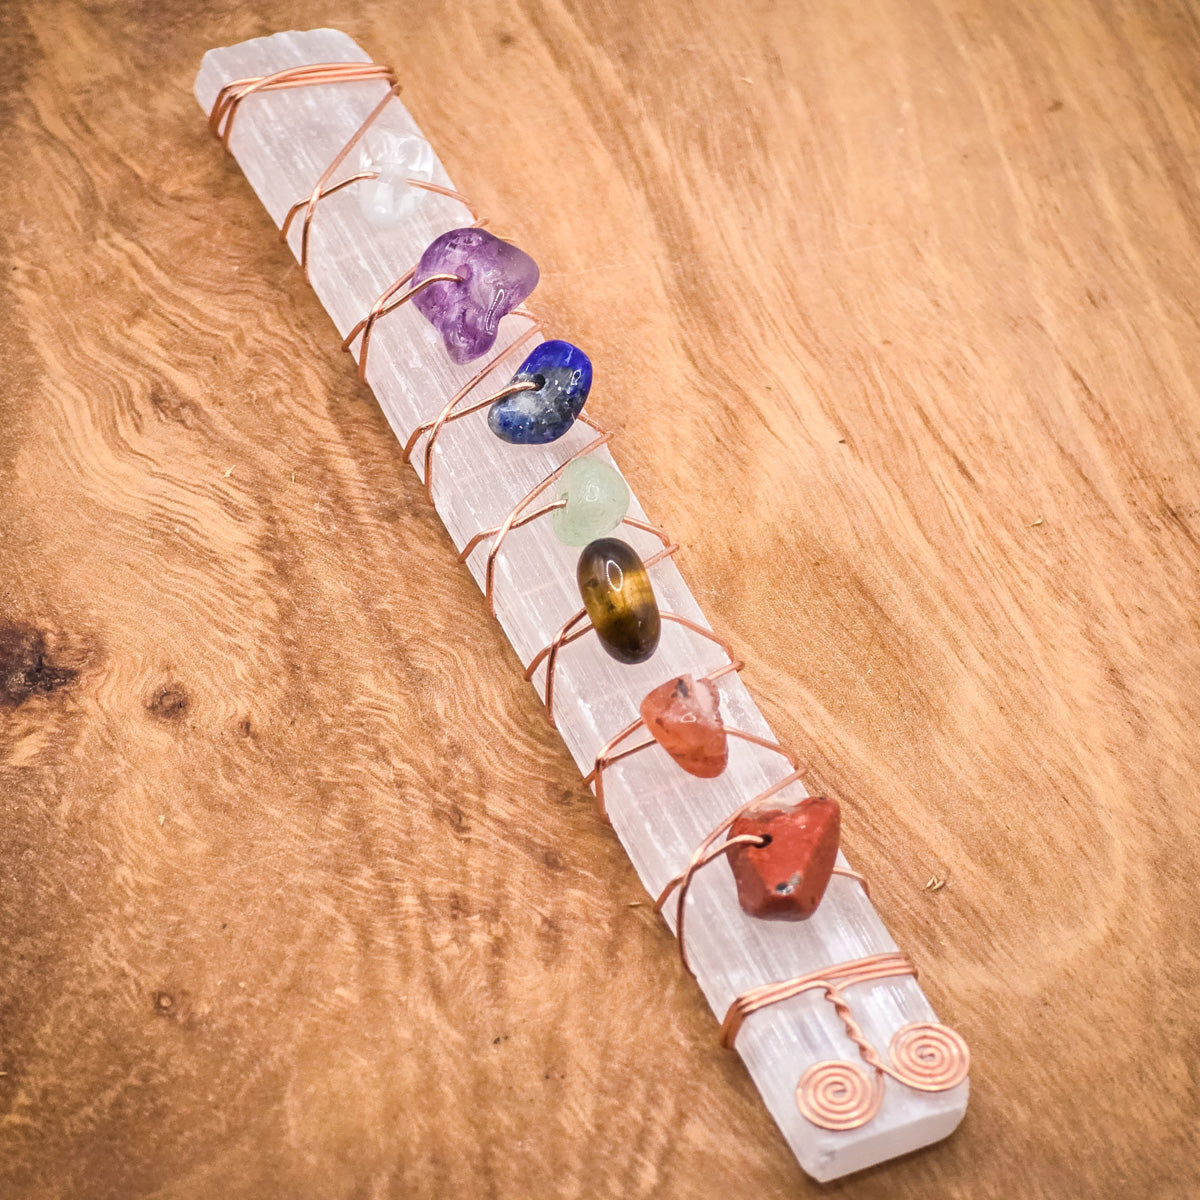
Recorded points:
(895, 306)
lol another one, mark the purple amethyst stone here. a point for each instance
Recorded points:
(496, 277)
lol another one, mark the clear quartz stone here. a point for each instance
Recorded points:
(396, 157)
(283, 141)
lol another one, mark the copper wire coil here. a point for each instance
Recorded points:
(229, 99)
(839, 1095)
(929, 1057)
(831, 979)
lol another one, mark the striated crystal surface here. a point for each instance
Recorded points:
(283, 141)
(619, 599)
(494, 276)
(786, 878)
(562, 374)
(684, 717)
(597, 501)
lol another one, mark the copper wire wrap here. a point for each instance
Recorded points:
(839, 1095)
(220, 122)
(320, 192)
(704, 854)
(386, 304)
(608, 755)
(323, 188)
(568, 633)
(432, 429)
(711, 848)
(229, 98)
(518, 517)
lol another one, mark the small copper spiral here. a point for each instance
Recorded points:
(929, 1057)
(839, 1095)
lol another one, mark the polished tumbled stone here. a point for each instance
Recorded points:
(562, 374)
(597, 501)
(684, 717)
(786, 878)
(619, 599)
(494, 277)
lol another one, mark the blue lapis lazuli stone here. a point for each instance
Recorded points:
(563, 376)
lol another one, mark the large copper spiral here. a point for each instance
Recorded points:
(928, 1057)
(839, 1095)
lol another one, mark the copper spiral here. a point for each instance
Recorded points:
(928, 1057)
(839, 1095)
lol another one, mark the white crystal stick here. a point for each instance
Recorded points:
(284, 140)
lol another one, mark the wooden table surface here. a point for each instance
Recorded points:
(894, 304)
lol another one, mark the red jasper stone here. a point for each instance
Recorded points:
(684, 717)
(785, 879)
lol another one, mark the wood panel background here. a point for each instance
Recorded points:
(894, 304)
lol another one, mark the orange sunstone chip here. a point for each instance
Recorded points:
(684, 717)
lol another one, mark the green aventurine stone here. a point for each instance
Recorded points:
(597, 500)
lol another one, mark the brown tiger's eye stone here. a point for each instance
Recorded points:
(616, 592)
(684, 717)
(786, 878)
